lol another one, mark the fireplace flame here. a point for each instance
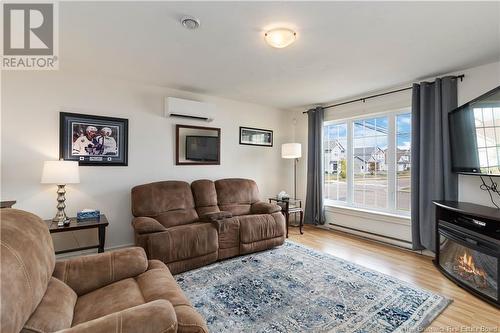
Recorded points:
(468, 270)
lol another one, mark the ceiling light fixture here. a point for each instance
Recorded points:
(190, 22)
(280, 37)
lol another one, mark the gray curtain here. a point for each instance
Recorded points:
(431, 177)
(314, 212)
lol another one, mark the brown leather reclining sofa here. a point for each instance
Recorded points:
(118, 291)
(191, 226)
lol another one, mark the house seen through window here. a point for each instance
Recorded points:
(367, 162)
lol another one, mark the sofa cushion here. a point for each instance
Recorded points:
(87, 273)
(255, 228)
(229, 237)
(236, 209)
(236, 195)
(115, 297)
(229, 232)
(177, 217)
(205, 196)
(27, 263)
(152, 317)
(216, 216)
(183, 242)
(157, 283)
(55, 311)
(170, 202)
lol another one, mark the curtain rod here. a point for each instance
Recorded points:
(363, 99)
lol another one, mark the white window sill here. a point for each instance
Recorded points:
(361, 212)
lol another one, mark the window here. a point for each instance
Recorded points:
(367, 162)
(335, 162)
(487, 122)
(403, 162)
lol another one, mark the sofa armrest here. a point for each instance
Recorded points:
(153, 317)
(87, 273)
(146, 225)
(264, 208)
(211, 217)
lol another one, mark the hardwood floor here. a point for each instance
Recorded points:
(465, 314)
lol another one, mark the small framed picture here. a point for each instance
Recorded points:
(93, 140)
(256, 137)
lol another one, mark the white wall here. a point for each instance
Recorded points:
(31, 102)
(477, 81)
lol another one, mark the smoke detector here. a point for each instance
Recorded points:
(190, 22)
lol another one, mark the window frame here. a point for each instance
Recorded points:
(392, 167)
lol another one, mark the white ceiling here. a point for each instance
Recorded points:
(343, 48)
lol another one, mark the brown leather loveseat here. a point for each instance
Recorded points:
(118, 291)
(189, 226)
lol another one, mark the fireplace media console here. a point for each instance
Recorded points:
(468, 247)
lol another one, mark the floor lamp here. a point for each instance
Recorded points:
(289, 151)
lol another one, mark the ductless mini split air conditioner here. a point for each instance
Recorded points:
(184, 108)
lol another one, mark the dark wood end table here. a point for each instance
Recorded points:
(290, 206)
(7, 204)
(101, 223)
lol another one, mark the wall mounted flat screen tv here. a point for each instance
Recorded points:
(202, 148)
(475, 135)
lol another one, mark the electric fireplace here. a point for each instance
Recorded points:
(468, 247)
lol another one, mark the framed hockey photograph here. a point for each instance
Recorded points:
(93, 140)
(256, 137)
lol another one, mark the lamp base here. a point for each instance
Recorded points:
(61, 198)
(60, 217)
(295, 161)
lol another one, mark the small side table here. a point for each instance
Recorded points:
(100, 223)
(290, 206)
(7, 204)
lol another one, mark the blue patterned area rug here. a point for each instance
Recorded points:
(296, 289)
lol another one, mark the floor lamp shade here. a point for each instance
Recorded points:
(291, 150)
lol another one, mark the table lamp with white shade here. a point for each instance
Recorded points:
(60, 173)
(289, 151)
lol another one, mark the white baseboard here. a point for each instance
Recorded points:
(379, 239)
